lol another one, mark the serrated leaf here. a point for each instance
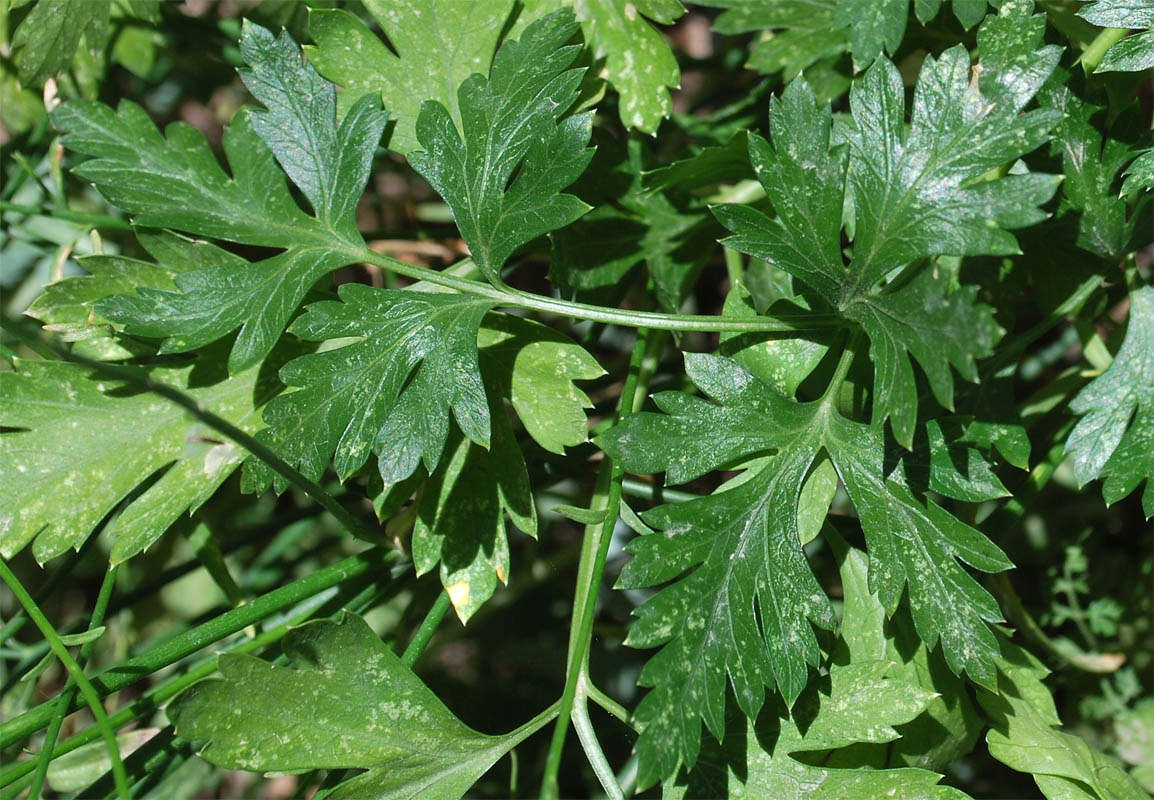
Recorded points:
(795, 35)
(66, 435)
(349, 703)
(502, 171)
(638, 62)
(47, 39)
(916, 195)
(860, 703)
(437, 46)
(874, 25)
(67, 307)
(1023, 737)
(176, 183)
(1091, 166)
(914, 547)
(539, 366)
(390, 393)
(1114, 438)
(460, 520)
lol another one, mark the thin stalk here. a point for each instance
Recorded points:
(588, 737)
(425, 632)
(68, 695)
(96, 220)
(734, 267)
(598, 696)
(614, 316)
(61, 651)
(13, 626)
(594, 549)
(223, 426)
(128, 672)
(1094, 52)
(842, 370)
(14, 777)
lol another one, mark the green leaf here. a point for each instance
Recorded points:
(638, 62)
(176, 183)
(437, 46)
(1023, 737)
(743, 544)
(461, 515)
(1134, 53)
(1139, 175)
(796, 35)
(916, 195)
(48, 37)
(390, 392)
(873, 25)
(67, 307)
(501, 172)
(65, 440)
(1091, 166)
(77, 769)
(538, 367)
(349, 704)
(861, 702)
(1114, 439)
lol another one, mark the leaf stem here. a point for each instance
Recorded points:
(74, 670)
(68, 695)
(598, 696)
(1092, 56)
(425, 632)
(844, 363)
(594, 550)
(588, 737)
(614, 316)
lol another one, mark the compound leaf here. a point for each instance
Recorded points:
(175, 182)
(501, 172)
(389, 393)
(916, 195)
(438, 45)
(742, 546)
(873, 25)
(66, 435)
(1114, 438)
(349, 703)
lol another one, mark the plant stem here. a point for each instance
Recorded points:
(128, 672)
(68, 695)
(13, 626)
(61, 651)
(11, 775)
(594, 549)
(608, 703)
(614, 316)
(1092, 55)
(425, 632)
(597, 760)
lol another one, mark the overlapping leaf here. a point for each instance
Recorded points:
(502, 171)
(390, 393)
(1134, 53)
(967, 12)
(1024, 736)
(916, 196)
(176, 183)
(1091, 167)
(64, 445)
(47, 39)
(1115, 437)
(742, 573)
(438, 45)
(349, 703)
(638, 62)
(799, 34)
(870, 702)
